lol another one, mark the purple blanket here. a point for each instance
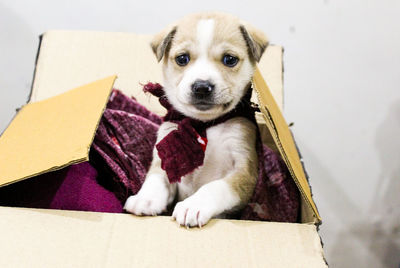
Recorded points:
(72, 188)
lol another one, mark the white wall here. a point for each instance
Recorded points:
(342, 90)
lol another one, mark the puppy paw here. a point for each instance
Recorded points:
(145, 205)
(192, 212)
(152, 199)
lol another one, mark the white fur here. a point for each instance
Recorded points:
(152, 198)
(205, 33)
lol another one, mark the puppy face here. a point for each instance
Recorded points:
(208, 62)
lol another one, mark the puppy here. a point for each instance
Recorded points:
(208, 62)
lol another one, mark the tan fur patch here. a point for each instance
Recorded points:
(244, 181)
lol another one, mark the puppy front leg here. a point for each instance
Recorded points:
(156, 192)
(214, 198)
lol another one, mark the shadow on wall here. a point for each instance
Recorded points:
(386, 240)
(377, 234)
(340, 244)
(371, 239)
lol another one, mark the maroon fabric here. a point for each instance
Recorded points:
(72, 188)
(124, 142)
(123, 145)
(276, 196)
(119, 101)
(180, 151)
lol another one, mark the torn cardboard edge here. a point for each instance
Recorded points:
(35, 69)
(284, 140)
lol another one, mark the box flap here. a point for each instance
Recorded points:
(283, 139)
(85, 239)
(53, 133)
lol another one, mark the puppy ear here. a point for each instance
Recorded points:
(162, 41)
(256, 41)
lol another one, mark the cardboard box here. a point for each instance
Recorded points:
(50, 133)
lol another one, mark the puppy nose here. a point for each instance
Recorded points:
(202, 88)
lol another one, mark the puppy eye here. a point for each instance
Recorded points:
(182, 60)
(229, 60)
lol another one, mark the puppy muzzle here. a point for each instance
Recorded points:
(202, 94)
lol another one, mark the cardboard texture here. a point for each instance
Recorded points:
(53, 122)
(54, 238)
(53, 133)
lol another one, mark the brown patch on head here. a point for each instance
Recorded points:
(162, 41)
(255, 40)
